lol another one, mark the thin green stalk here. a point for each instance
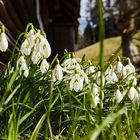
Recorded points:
(101, 54)
(48, 123)
(15, 47)
(101, 32)
(29, 25)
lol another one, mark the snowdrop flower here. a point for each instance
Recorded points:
(118, 96)
(131, 79)
(43, 45)
(98, 78)
(120, 69)
(70, 64)
(31, 39)
(20, 62)
(25, 47)
(130, 68)
(36, 57)
(76, 83)
(132, 93)
(22, 66)
(109, 70)
(83, 76)
(95, 95)
(111, 76)
(90, 69)
(95, 90)
(3, 40)
(28, 43)
(45, 48)
(57, 73)
(95, 100)
(26, 73)
(44, 66)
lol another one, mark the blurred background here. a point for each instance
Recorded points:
(73, 25)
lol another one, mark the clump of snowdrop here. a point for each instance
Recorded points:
(118, 79)
(37, 47)
(3, 40)
(74, 73)
(36, 44)
(127, 76)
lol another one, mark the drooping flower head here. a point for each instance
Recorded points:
(44, 66)
(3, 40)
(22, 66)
(132, 93)
(76, 83)
(57, 73)
(118, 96)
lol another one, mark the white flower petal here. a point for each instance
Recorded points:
(95, 89)
(76, 86)
(130, 68)
(118, 96)
(132, 92)
(96, 100)
(44, 66)
(58, 72)
(90, 69)
(36, 57)
(3, 42)
(76, 83)
(44, 47)
(26, 73)
(72, 83)
(25, 47)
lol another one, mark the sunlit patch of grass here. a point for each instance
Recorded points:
(111, 46)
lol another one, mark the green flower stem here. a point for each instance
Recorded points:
(15, 47)
(101, 37)
(48, 123)
(29, 25)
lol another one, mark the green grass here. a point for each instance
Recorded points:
(111, 45)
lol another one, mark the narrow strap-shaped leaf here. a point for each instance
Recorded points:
(37, 128)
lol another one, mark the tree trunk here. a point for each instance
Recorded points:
(126, 41)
